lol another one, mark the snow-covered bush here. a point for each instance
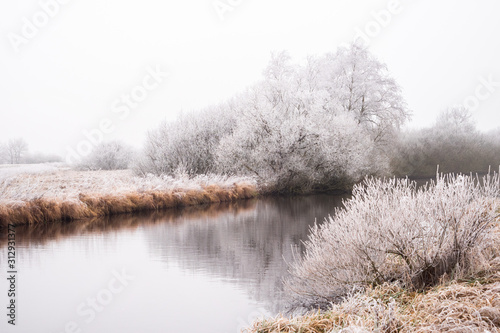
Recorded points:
(111, 155)
(391, 231)
(186, 145)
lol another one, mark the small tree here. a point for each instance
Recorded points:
(16, 148)
(3, 153)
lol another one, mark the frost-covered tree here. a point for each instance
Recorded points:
(15, 149)
(112, 155)
(362, 86)
(288, 140)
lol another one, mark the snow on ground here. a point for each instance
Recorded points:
(55, 181)
(10, 170)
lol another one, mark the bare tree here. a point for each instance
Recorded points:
(3, 153)
(16, 148)
(453, 142)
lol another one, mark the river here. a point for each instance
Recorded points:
(200, 269)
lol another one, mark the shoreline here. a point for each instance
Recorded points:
(68, 195)
(467, 305)
(90, 206)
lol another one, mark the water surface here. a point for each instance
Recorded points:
(211, 269)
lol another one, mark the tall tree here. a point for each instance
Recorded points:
(362, 86)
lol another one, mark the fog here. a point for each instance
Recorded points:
(67, 66)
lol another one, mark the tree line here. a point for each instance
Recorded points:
(15, 151)
(322, 124)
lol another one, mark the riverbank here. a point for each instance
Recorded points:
(460, 306)
(47, 193)
(470, 304)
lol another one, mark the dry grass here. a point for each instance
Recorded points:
(457, 307)
(46, 232)
(64, 195)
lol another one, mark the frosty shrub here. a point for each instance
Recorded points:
(390, 231)
(186, 145)
(111, 155)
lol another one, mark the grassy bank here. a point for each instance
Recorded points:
(39, 195)
(459, 306)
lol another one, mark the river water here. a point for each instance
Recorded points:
(209, 269)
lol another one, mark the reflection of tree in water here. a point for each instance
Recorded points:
(32, 235)
(249, 248)
(246, 243)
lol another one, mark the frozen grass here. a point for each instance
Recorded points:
(63, 194)
(460, 306)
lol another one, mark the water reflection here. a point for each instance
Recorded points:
(250, 248)
(219, 262)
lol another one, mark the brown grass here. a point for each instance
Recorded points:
(45, 232)
(457, 307)
(41, 210)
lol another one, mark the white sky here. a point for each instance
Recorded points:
(66, 78)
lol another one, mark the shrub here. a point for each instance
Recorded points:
(186, 145)
(390, 231)
(111, 155)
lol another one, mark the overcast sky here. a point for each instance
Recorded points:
(70, 71)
